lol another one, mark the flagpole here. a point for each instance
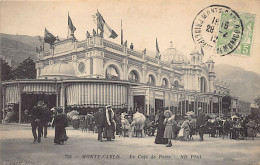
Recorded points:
(68, 26)
(97, 21)
(121, 33)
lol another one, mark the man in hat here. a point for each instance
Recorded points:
(36, 122)
(100, 122)
(201, 119)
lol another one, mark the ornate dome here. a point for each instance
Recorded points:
(195, 51)
(173, 55)
(60, 69)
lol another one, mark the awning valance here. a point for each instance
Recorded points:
(39, 89)
(96, 94)
(12, 94)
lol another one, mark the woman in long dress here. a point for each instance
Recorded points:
(169, 123)
(160, 130)
(110, 124)
(60, 122)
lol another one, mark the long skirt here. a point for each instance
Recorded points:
(168, 132)
(109, 132)
(159, 137)
(60, 135)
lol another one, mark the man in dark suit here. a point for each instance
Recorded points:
(47, 117)
(100, 122)
(201, 119)
(36, 121)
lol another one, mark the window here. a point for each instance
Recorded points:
(151, 80)
(133, 77)
(164, 82)
(203, 84)
(176, 85)
(112, 73)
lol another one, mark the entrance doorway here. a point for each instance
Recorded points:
(226, 105)
(31, 100)
(158, 104)
(139, 102)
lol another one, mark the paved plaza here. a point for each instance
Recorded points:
(83, 148)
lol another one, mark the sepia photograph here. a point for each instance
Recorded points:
(130, 82)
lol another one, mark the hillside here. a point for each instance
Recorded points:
(243, 84)
(19, 47)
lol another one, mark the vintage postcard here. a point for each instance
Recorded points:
(130, 82)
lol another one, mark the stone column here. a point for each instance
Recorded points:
(177, 95)
(181, 103)
(4, 97)
(185, 104)
(20, 102)
(219, 106)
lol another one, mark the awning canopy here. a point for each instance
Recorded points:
(39, 89)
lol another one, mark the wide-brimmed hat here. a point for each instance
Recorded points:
(167, 111)
(199, 108)
(108, 106)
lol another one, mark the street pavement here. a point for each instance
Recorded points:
(16, 147)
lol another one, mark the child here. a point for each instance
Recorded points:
(169, 122)
(60, 122)
(186, 129)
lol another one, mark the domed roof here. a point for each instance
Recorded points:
(173, 55)
(61, 69)
(195, 51)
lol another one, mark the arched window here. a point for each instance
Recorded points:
(112, 73)
(164, 82)
(151, 80)
(203, 84)
(133, 77)
(176, 84)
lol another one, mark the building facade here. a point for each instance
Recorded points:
(96, 72)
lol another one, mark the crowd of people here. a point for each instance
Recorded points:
(168, 126)
(164, 125)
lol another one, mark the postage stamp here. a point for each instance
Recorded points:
(217, 30)
(245, 46)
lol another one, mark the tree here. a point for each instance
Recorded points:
(6, 71)
(26, 70)
(257, 101)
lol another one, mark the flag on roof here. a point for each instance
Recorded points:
(158, 55)
(71, 26)
(104, 28)
(48, 37)
(202, 52)
(122, 40)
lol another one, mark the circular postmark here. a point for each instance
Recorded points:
(217, 30)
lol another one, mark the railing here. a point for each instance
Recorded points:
(167, 64)
(134, 53)
(151, 59)
(112, 45)
(82, 44)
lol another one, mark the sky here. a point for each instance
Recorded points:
(143, 21)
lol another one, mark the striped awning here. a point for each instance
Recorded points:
(12, 94)
(39, 89)
(96, 94)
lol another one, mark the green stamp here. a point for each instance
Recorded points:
(230, 32)
(245, 46)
